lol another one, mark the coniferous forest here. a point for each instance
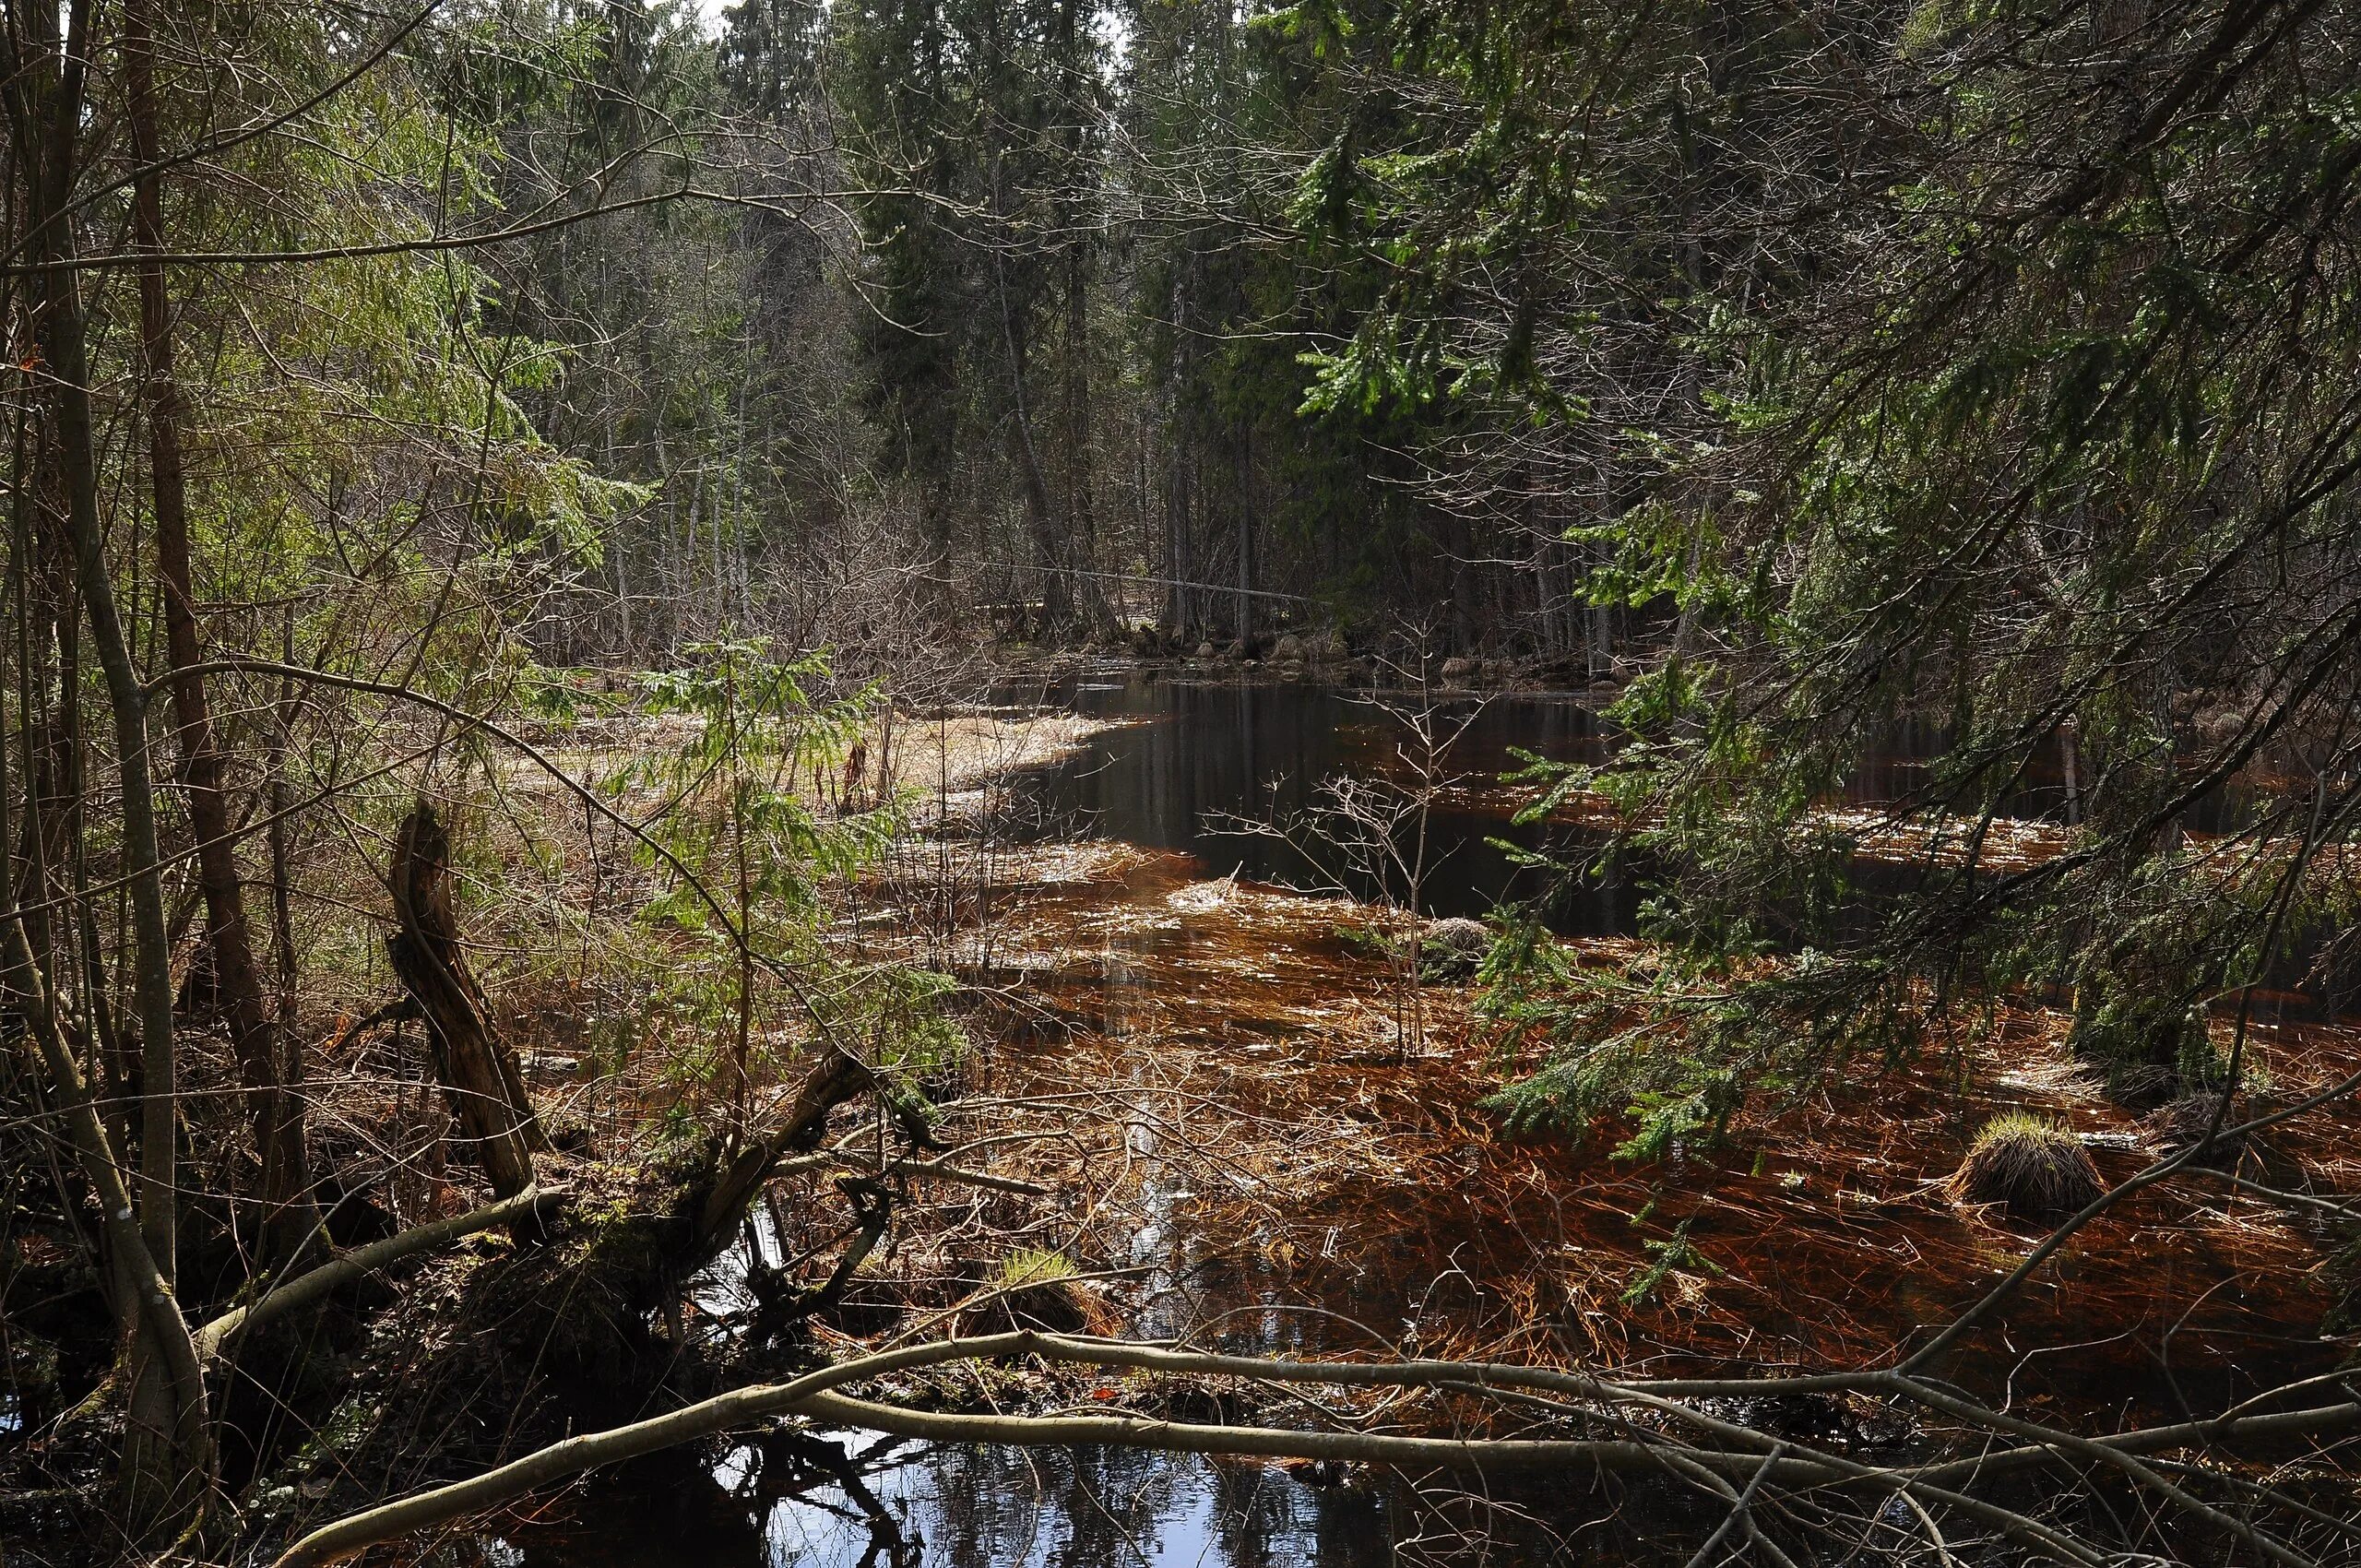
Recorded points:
(989, 782)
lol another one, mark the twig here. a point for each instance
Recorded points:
(1738, 1509)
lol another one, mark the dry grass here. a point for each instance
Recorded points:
(941, 762)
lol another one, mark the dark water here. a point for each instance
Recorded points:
(1198, 762)
(1199, 759)
(855, 1500)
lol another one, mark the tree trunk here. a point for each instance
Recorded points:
(1180, 555)
(49, 104)
(1057, 592)
(146, 1312)
(834, 1080)
(1245, 456)
(277, 1113)
(479, 1075)
(1082, 511)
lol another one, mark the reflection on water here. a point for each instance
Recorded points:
(851, 1500)
(855, 1501)
(1202, 759)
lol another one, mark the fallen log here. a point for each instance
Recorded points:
(531, 1203)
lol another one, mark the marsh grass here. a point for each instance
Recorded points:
(2029, 1166)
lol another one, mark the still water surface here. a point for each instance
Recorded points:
(1191, 766)
(1191, 763)
(1208, 768)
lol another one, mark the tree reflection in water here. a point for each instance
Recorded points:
(789, 1500)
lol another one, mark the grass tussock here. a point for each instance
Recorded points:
(1043, 1289)
(2029, 1166)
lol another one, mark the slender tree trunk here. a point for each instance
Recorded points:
(282, 855)
(63, 348)
(2069, 752)
(1082, 511)
(145, 1307)
(1179, 558)
(1057, 592)
(622, 596)
(1176, 535)
(720, 566)
(1464, 626)
(47, 637)
(48, 102)
(1245, 454)
(276, 1114)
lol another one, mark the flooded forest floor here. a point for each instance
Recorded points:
(1199, 1104)
(1211, 1108)
(1249, 1141)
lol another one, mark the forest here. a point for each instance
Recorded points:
(990, 783)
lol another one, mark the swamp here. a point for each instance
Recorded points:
(1024, 784)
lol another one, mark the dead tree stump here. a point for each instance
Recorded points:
(480, 1076)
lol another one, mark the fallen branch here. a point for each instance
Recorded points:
(814, 1396)
(837, 1078)
(361, 1262)
(2311, 1201)
(1739, 1506)
(935, 1169)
